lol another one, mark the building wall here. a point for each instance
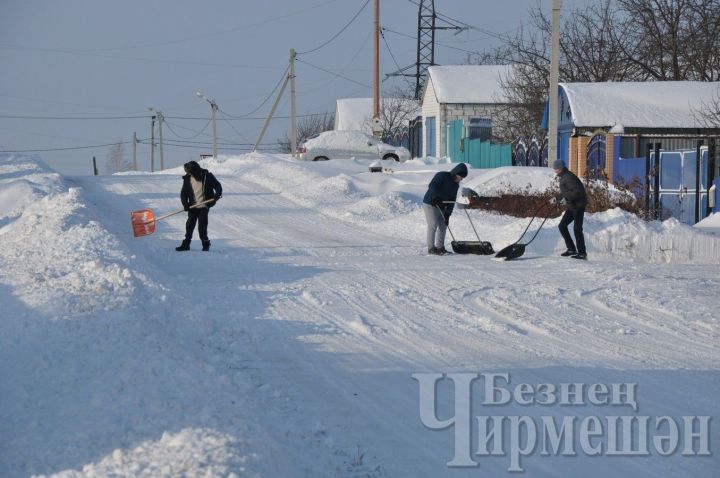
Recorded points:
(583, 142)
(573, 156)
(609, 155)
(430, 107)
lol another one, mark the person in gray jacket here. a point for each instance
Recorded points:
(438, 205)
(573, 192)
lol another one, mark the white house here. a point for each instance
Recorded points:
(472, 93)
(355, 114)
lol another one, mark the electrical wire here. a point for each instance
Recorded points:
(168, 123)
(66, 149)
(282, 78)
(27, 117)
(338, 33)
(334, 74)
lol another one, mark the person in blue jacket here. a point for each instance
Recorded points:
(438, 205)
(199, 185)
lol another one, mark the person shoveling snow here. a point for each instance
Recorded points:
(199, 185)
(438, 205)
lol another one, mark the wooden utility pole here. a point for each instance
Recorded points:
(377, 130)
(293, 112)
(554, 79)
(134, 151)
(160, 122)
(152, 144)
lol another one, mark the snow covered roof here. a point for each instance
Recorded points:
(354, 114)
(468, 83)
(653, 104)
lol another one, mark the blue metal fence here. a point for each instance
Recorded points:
(478, 153)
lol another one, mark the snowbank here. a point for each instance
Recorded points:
(53, 255)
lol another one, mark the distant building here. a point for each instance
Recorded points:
(472, 93)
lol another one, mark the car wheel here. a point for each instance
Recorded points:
(391, 156)
(320, 158)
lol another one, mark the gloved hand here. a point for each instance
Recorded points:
(447, 219)
(187, 208)
(436, 201)
(217, 197)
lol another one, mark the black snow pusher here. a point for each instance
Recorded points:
(483, 248)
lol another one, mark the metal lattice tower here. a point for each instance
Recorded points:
(425, 43)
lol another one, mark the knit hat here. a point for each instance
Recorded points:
(558, 164)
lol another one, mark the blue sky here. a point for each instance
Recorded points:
(97, 58)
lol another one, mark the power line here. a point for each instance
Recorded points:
(66, 149)
(26, 117)
(334, 74)
(338, 33)
(93, 118)
(270, 95)
(168, 123)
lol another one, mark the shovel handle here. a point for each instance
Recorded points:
(181, 210)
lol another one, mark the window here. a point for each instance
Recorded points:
(480, 128)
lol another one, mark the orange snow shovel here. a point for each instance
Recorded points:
(143, 221)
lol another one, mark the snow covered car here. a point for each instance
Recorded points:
(349, 144)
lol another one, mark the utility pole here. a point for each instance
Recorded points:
(554, 78)
(160, 119)
(160, 122)
(95, 171)
(293, 112)
(213, 111)
(376, 129)
(134, 151)
(152, 144)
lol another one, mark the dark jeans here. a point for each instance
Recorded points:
(199, 215)
(575, 216)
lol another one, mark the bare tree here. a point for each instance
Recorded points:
(672, 39)
(708, 115)
(397, 108)
(116, 160)
(307, 127)
(615, 40)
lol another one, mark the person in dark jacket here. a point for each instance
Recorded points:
(573, 191)
(438, 205)
(199, 185)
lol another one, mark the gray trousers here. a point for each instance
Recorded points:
(435, 226)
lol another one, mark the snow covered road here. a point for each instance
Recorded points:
(288, 349)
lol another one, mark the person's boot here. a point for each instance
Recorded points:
(569, 252)
(580, 255)
(433, 251)
(206, 246)
(185, 246)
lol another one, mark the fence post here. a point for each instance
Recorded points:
(648, 174)
(712, 152)
(698, 170)
(656, 171)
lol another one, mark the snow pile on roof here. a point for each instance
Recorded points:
(355, 114)
(469, 83)
(654, 104)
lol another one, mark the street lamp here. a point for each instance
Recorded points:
(213, 108)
